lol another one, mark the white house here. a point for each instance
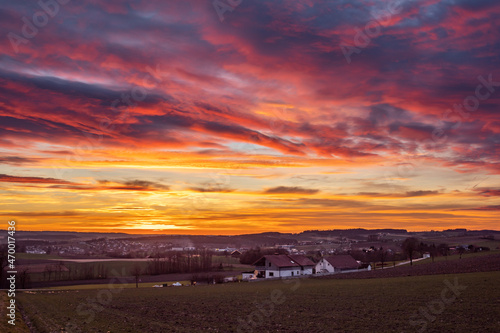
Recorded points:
(336, 263)
(273, 266)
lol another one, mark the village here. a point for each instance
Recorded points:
(190, 260)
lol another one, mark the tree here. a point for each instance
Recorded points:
(252, 255)
(433, 250)
(48, 269)
(409, 246)
(443, 249)
(382, 256)
(3, 264)
(461, 251)
(136, 271)
(24, 277)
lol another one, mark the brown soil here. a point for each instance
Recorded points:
(465, 265)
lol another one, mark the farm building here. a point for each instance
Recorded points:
(272, 266)
(336, 263)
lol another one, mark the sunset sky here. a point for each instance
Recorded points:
(229, 116)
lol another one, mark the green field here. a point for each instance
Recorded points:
(305, 305)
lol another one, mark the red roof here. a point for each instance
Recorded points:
(283, 260)
(342, 261)
(301, 260)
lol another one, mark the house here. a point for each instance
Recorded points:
(336, 263)
(235, 254)
(273, 266)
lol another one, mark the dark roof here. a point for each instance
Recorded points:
(278, 260)
(301, 260)
(342, 261)
(283, 260)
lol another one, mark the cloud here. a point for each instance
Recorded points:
(146, 184)
(44, 213)
(268, 91)
(35, 180)
(17, 160)
(131, 185)
(331, 203)
(290, 190)
(487, 208)
(490, 192)
(212, 188)
(408, 194)
(421, 193)
(134, 185)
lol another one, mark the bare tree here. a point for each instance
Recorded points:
(3, 263)
(443, 249)
(382, 256)
(24, 277)
(136, 271)
(433, 250)
(410, 246)
(48, 269)
(461, 251)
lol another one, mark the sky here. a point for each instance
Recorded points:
(238, 116)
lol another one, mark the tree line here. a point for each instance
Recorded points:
(175, 262)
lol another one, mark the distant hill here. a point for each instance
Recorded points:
(237, 241)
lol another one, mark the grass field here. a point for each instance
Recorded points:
(113, 267)
(403, 304)
(456, 257)
(225, 260)
(454, 241)
(33, 256)
(20, 326)
(123, 285)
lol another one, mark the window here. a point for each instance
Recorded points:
(292, 273)
(269, 264)
(271, 273)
